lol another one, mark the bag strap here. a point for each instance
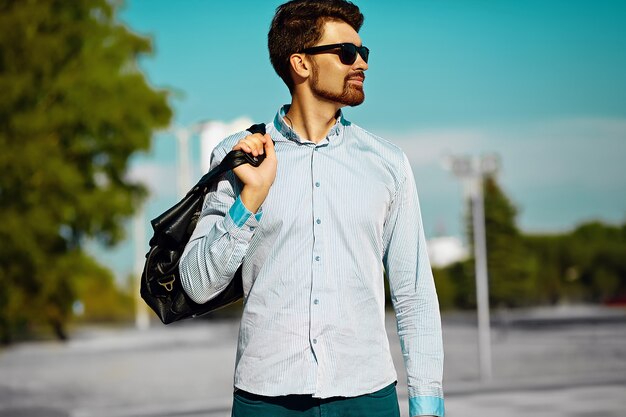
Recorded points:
(232, 160)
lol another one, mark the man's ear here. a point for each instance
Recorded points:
(300, 66)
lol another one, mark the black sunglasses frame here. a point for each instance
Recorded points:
(347, 51)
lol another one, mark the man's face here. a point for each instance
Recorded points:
(332, 80)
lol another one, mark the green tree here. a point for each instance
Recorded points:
(601, 254)
(74, 107)
(584, 265)
(553, 275)
(508, 263)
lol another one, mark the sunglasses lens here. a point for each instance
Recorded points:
(365, 53)
(349, 51)
(348, 54)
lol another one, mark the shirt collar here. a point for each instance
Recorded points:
(288, 133)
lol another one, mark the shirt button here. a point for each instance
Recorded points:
(252, 228)
(314, 341)
(317, 258)
(318, 221)
(317, 184)
(316, 301)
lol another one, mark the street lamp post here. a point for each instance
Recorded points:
(471, 171)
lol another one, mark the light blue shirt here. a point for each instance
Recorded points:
(339, 215)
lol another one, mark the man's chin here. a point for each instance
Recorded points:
(355, 96)
(351, 96)
(355, 101)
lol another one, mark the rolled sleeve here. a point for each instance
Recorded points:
(240, 215)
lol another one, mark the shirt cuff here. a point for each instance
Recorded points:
(426, 406)
(240, 214)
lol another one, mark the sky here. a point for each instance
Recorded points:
(541, 84)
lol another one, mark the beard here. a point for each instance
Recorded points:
(352, 95)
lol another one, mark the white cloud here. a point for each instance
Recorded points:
(586, 151)
(428, 147)
(559, 172)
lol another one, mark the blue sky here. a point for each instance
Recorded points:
(541, 83)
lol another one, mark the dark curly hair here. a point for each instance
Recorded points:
(298, 24)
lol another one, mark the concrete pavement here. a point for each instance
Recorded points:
(559, 369)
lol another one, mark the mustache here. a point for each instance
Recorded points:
(357, 75)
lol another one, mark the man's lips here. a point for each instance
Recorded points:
(357, 78)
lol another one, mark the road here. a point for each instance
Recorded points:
(557, 370)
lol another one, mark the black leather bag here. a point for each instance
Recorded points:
(161, 288)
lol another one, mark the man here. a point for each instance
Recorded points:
(313, 227)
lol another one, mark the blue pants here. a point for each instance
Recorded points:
(382, 403)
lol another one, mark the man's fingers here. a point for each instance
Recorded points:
(256, 145)
(251, 144)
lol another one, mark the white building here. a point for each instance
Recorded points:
(213, 132)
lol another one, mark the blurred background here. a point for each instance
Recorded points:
(108, 113)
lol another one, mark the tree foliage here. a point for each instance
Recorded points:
(587, 264)
(74, 107)
(508, 264)
(510, 278)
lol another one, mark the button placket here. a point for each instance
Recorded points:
(317, 276)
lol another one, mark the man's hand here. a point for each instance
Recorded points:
(257, 181)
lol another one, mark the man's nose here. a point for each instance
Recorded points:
(360, 63)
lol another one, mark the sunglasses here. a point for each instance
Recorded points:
(346, 51)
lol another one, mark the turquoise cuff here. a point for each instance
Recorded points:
(426, 406)
(240, 214)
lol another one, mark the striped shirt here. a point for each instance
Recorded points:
(340, 214)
